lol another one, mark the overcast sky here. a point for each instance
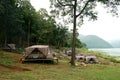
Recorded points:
(106, 27)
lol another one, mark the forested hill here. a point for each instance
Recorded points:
(93, 41)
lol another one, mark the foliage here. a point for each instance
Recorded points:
(22, 25)
(77, 9)
(8, 20)
(85, 9)
(79, 44)
(60, 36)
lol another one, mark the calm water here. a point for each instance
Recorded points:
(109, 51)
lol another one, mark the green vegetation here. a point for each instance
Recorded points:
(7, 59)
(76, 11)
(32, 27)
(61, 71)
(7, 62)
(38, 27)
(66, 72)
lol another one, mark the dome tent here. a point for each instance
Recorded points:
(38, 53)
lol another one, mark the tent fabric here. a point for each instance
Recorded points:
(43, 48)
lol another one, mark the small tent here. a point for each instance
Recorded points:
(37, 52)
(91, 59)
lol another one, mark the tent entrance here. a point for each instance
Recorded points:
(36, 54)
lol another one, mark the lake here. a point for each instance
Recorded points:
(109, 51)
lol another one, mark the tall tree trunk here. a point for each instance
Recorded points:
(20, 41)
(5, 36)
(5, 43)
(74, 35)
(28, 33)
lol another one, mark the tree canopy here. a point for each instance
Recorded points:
(22, 25)
(79, 10)
(84, 9)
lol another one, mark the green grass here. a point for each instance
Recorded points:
(7, 58)
(7, 62)
(65, 72)
(62, 71)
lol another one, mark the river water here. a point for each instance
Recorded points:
(109, 51)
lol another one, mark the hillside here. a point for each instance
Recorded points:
(115, 43)
(93, 41)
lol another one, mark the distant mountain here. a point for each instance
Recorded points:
(93, 41)
(115, 43)
(81, 37)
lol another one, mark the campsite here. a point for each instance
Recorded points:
(54, 42)
(12, 69)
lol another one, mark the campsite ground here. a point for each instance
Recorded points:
(12, 69)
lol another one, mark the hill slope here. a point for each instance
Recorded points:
(93, 41)
(115, 43)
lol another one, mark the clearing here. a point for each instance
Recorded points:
(12, 69)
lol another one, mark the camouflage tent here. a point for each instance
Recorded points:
(88, 58)
(38, 52)
(91, 59)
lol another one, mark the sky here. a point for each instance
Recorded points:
(106, 26)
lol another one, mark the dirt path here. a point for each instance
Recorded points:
(15, 68)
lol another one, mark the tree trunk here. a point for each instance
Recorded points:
(5, 42)
(28, 33)
(20, 41)
(74, 35)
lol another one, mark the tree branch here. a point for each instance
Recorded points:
(83, 8)
(64, 4)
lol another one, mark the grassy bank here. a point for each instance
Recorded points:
(62, 71)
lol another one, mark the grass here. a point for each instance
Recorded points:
(62, 71)
(65, 72)
(7, 58)
(7, 62)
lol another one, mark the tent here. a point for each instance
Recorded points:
(37, 53)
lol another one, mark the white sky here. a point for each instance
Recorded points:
(106, 27)
(40, 4)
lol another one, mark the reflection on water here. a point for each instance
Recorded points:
(109, 51)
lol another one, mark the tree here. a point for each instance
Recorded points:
(22, 25)
(17, 17)
(9, 20)
(59, 36)
(45, 24)
(28, 14)
(68, 44)
(79, 9)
